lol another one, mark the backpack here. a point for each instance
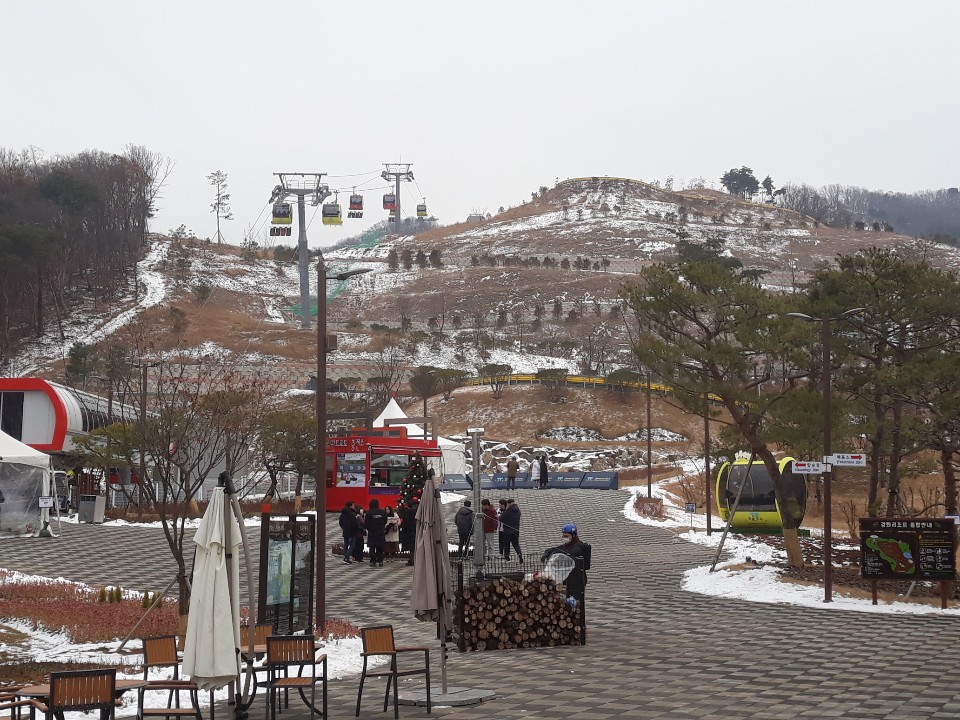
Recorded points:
(586, 555)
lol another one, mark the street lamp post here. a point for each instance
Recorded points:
(320, 502)
(649, 443)
(825, 379)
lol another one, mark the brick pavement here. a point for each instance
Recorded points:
(652, 651)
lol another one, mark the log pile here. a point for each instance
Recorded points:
(505, 613)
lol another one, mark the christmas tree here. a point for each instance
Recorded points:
(412, 487)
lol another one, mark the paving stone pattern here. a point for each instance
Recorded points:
(652, 650)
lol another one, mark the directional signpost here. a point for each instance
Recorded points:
(847, 460)
(807, 467)
(691, 508)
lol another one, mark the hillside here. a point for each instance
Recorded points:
(500, 295)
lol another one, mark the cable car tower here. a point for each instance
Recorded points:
(396, 172)
(302, 186)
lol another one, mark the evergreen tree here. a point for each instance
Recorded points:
(412, 487)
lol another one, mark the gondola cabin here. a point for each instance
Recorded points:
(356, 202)
(372, 464)
(331, 214)
(389, 201)
(282, 214)
(422, 210)
(758, 509)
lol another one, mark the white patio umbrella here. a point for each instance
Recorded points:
(430, 595)
(211, 650)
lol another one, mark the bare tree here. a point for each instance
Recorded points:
(221, 199)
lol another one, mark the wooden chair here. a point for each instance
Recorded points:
(10, 702)
(300, 651)
(161, 653)
(260, 634)
(81, 690)
(379, 641)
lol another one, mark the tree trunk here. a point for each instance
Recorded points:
(949, 480)
(298, 493)
(896, 445)
(786, 505)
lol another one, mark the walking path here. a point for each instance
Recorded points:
(652, 650)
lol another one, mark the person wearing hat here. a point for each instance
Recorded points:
(573, 547)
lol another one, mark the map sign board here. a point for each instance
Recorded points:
(806, 467)
(287, 572)
(907, 549)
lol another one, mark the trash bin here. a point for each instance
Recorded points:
(92, 508)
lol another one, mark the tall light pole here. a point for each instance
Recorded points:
(320, 502)
(825, 337)
(479, 547)
(649, 443)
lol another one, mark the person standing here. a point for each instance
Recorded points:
(576, 549)
(376, 532)
(535, 471)
(348, 525)
(511, 529)
(464, 522)
(513, 467)
(490, 525)
(392, 533)
(408, 531)
(501, 536)
(544, 471)
(361, 533)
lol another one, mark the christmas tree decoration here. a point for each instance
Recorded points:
(412, 487)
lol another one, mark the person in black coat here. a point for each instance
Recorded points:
(544, 471)
(348, 525)
(376, 532)
(573, 547)
(510, 519)
(464, 522)
(408, 531)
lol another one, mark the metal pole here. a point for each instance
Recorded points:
(304, 265)
(828, 474)
(649, 445)
(706, 456)
(321, 395)
(399, 216)
(479, 546)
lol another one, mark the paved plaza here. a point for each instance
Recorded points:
(652, 650)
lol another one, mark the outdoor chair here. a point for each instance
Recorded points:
(161, 653)
(8, 701)
(260, 634)
(81, 690)
(300, 651)
(379, 641)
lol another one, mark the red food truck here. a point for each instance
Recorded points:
(372, 464)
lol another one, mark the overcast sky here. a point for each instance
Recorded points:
(488, 100)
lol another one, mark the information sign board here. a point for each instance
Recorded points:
(690, 507)
(907, 549)
(806, 467)
(46, 501)
(287, 572)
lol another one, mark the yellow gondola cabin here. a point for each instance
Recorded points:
(758, 508)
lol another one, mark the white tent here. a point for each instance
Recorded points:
(24, 477)
(453, 454)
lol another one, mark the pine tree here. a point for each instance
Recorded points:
(412, 487)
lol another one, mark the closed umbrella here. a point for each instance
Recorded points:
(430, 596)
(211, 650)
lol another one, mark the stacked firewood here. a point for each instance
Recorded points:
(505, 613)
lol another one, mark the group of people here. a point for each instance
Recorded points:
(539, 472)
(502, 524)
(385, 531)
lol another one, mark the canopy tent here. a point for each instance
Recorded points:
(453, 454)
(24, 477)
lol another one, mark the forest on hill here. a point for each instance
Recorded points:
(70, 226)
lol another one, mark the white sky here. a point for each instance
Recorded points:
(488, 100)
